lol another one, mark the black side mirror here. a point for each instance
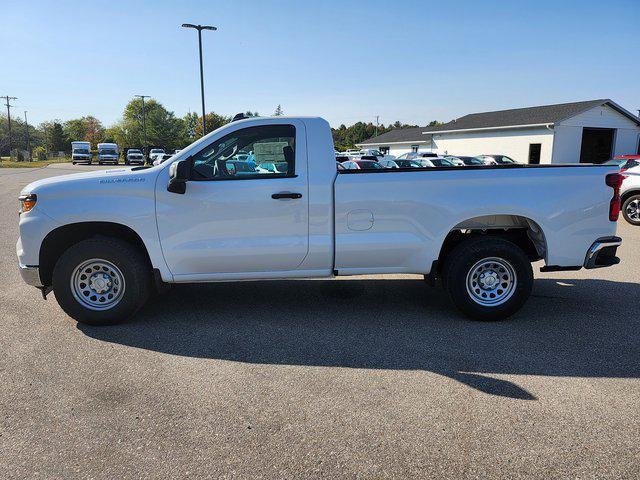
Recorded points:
(179, 175)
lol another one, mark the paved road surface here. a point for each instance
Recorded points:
(375, 377)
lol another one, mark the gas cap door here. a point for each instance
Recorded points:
(360, 220)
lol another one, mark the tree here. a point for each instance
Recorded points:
(18, 135)
(278, 112)
(95, 131)
(76, 129)
(54, 138)
(214, 121)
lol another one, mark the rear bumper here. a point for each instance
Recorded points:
(602, 253)
(30, 275)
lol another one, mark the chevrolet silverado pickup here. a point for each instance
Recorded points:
(103, 241)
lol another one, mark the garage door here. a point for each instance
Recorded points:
(597, 145)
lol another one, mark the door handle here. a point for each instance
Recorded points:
(280, 195)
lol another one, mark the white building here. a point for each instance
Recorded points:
(587, 132)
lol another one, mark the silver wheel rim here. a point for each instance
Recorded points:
(633, 210)
(491, 281)
(97, 284)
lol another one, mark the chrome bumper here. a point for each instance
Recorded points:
(603, 253)
(30, 275)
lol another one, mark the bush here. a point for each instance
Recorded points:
(17, 155)
(39, 154)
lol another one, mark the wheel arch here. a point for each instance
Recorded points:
(61, 238)
(629, 193)
(523, 231)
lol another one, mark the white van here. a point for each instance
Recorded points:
(81, 152)
(107, 153)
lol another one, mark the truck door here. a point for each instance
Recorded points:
(245, 208)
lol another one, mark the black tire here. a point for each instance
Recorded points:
(628, 210)
(131, 264)
(477, 253)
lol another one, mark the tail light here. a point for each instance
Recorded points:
(614, 180)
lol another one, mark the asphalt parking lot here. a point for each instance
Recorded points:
(361, 378)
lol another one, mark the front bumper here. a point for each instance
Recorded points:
(602, 253)
(30, 275)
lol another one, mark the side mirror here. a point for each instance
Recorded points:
(179, 175)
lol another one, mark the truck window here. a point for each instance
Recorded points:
(253, 152)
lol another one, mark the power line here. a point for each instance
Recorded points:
(8, 104)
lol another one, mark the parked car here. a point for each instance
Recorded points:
(161, 158)
(397, 163)
(496, 160)
(438, 162)
(81, 152)
(377, 154)
(134, 155)
(154, 154)
(362, 165)
(464, 160)
(414, 155)
(630, 190)
(108, 153)
(180, 222)
(624, 161)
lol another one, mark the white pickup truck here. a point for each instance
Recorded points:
(103, 240)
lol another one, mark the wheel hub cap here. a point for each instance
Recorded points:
(633, 210)
(97, 284)
(491, 281)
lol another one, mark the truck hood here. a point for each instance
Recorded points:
(117, 176)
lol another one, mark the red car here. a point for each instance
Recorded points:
(625, 162)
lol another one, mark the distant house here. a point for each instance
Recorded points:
(587, 132)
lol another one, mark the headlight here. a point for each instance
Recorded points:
(27, 202)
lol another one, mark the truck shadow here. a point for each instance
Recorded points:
(577, 328)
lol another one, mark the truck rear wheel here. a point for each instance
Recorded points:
(631, 209)
(488, 278)
(101, 281)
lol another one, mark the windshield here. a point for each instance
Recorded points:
(441, 162)
(369, 165)
(80, 150)
(108, 151)
(156, 150)
(408, 164)
(135, 151)
(503, 159)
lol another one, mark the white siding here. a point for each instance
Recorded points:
(513, 143)
(568, 133)
(566, 144)
(600, 117)
(560, 145)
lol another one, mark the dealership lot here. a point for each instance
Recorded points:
(364, 377)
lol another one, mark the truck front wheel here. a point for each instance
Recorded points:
(488, 278)
(101, 281)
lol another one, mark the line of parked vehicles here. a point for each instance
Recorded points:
(372, 159)
(109, 153)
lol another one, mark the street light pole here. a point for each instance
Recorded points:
(26, 126)
(199, 28)
(144, 123)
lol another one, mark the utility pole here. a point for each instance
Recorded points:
(377, 123)
(200, 28)
(144, 124)
(8, 104)
(26, 126)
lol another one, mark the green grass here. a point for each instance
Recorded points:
(5, 162)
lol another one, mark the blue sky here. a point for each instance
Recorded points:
(413, 61)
